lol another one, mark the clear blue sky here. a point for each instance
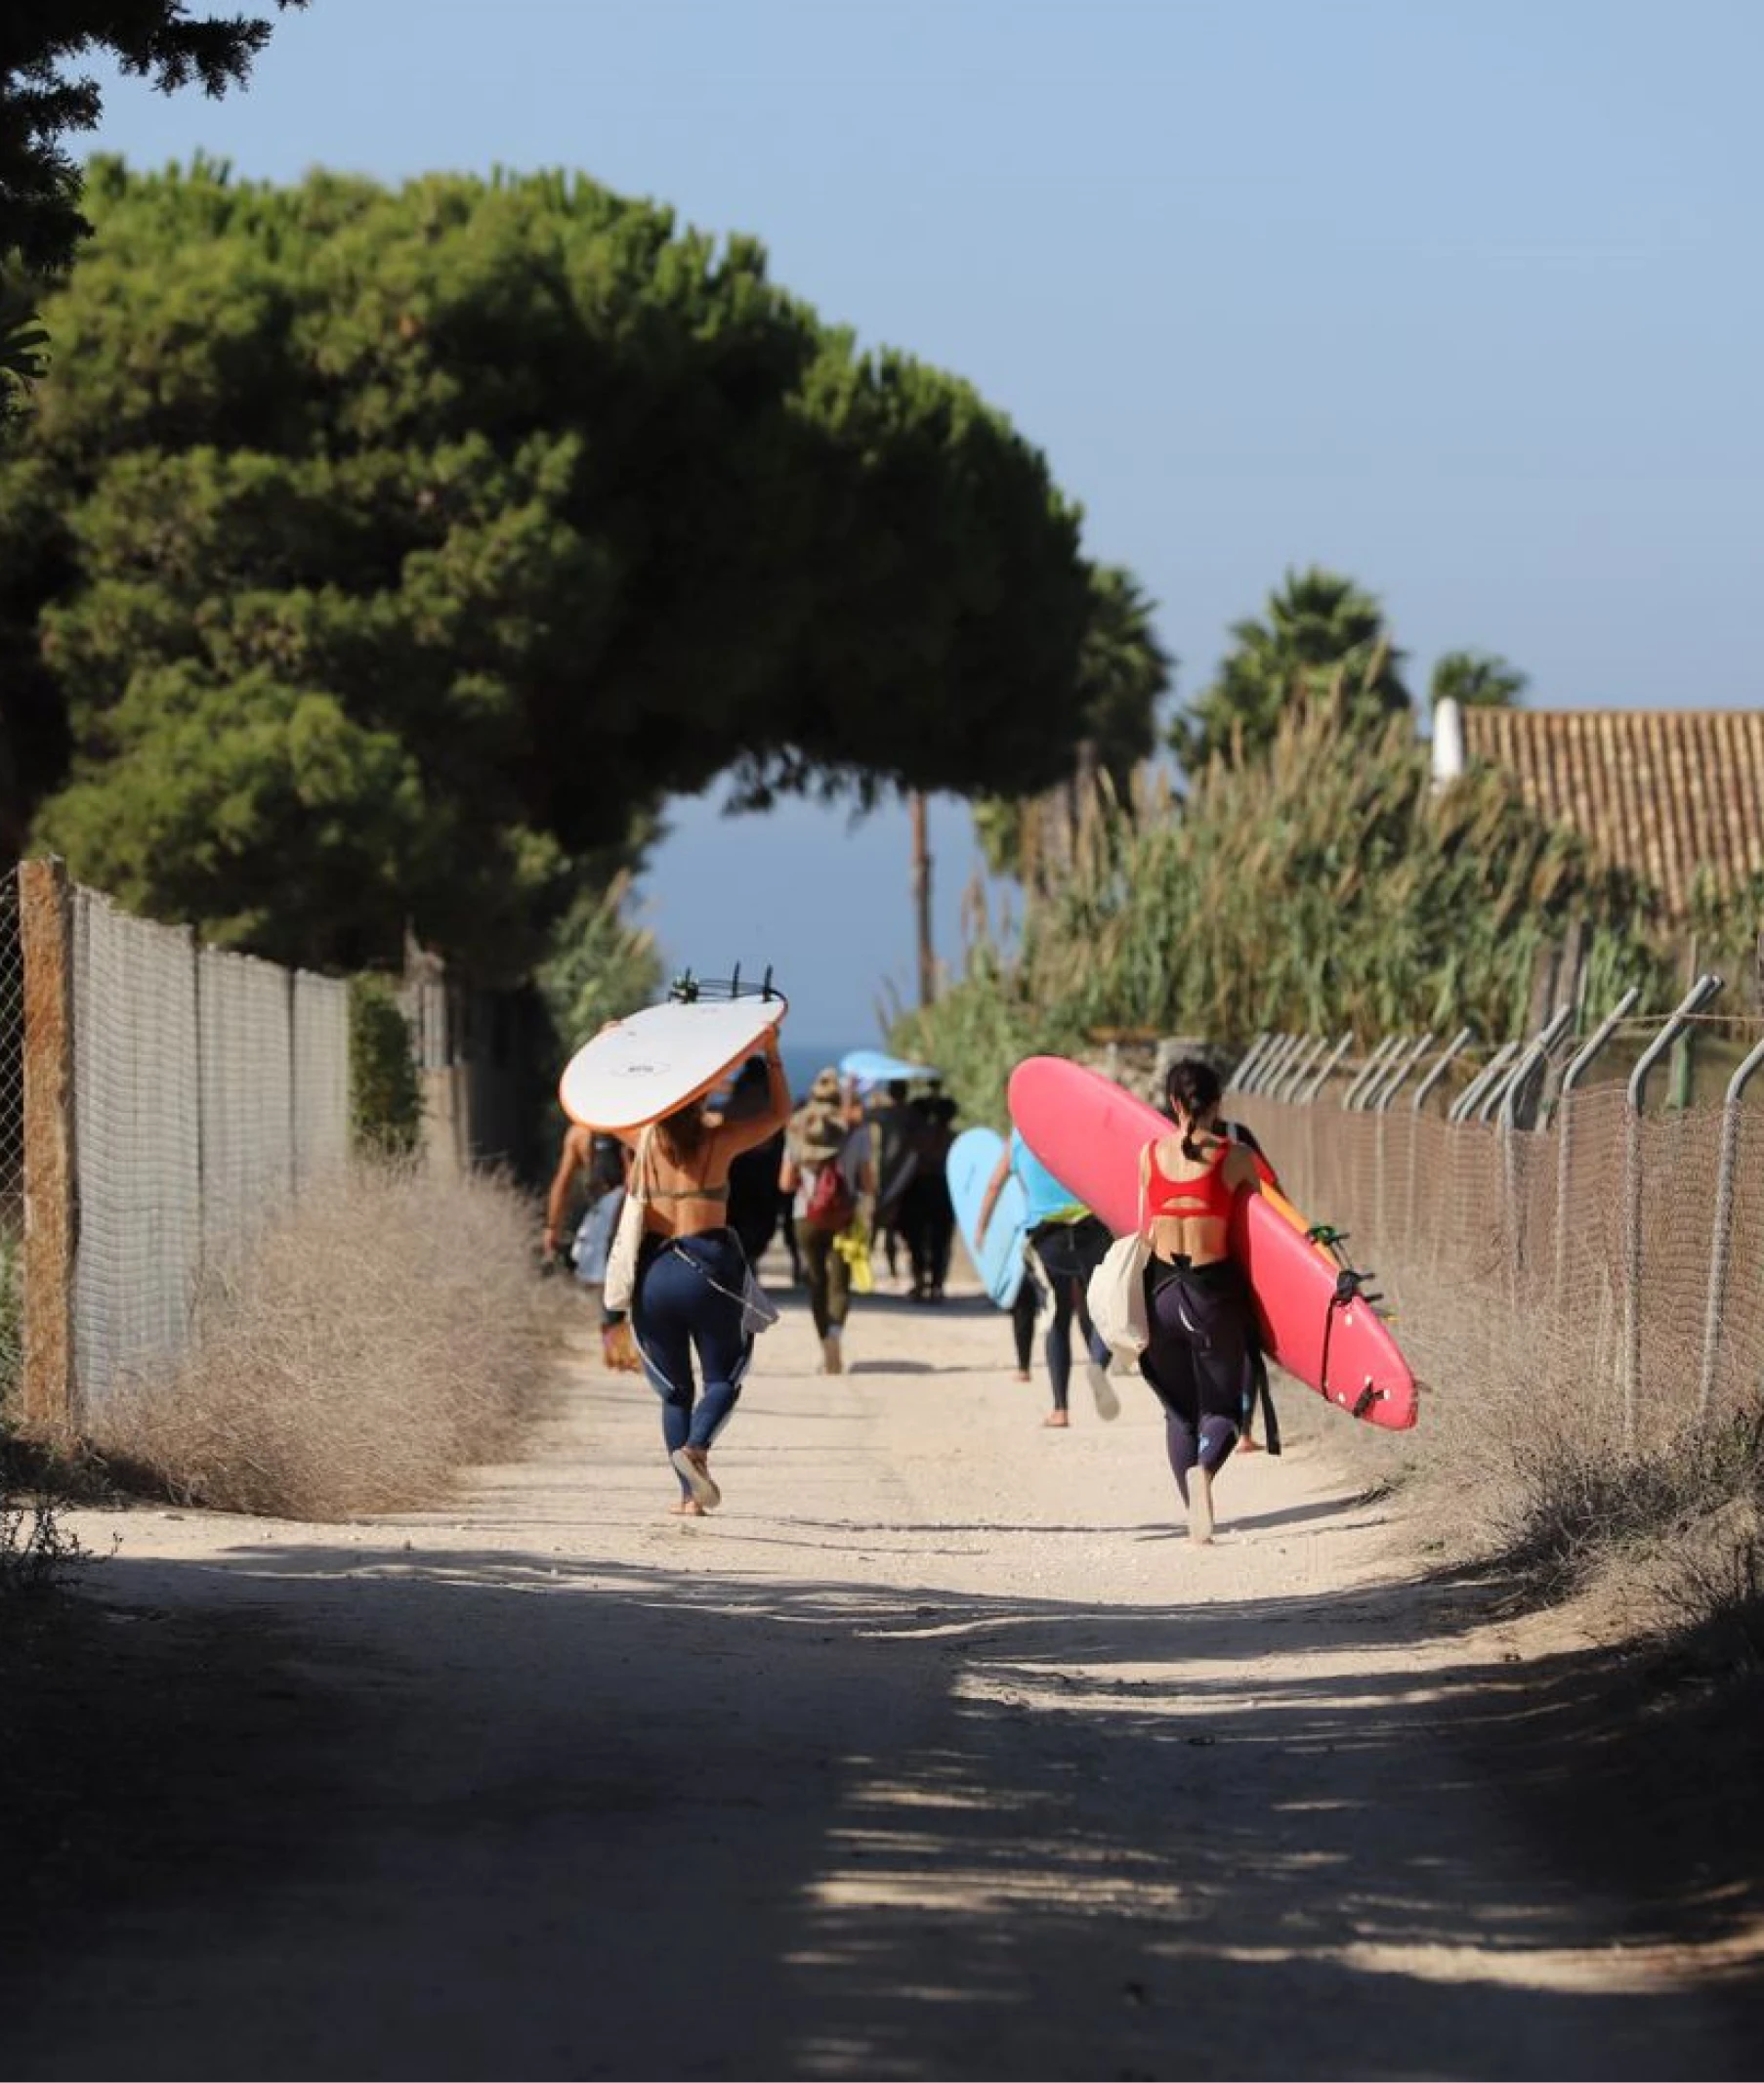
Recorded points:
(1461, 297)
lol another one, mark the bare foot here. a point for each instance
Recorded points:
(1022, 1374)
(1057, 1419)
(692, 1465)
(689, 1508)
(1246, 1445)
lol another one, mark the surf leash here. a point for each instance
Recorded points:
(1350, 1287)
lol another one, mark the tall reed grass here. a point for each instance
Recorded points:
(1326, 886)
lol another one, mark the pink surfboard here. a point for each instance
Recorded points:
(1088, 1131)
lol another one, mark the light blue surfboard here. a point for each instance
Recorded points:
(875, 1066)
(998, 1259)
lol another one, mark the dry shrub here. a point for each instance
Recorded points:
(374, 1340)
(1674, 1534)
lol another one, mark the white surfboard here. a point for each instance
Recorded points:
(639, 1069)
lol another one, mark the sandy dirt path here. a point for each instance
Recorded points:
(938, 1752)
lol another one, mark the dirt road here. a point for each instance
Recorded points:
(938, 1752)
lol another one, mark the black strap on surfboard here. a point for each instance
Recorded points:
(1350, 1287)
(1261, 1394)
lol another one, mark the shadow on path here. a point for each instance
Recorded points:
(370, 1812)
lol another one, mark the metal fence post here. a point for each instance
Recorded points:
(1443, 1063)
(1294, 1079)
(1268, 1068)
(1721, 1241)
(1563, 1116)
(1452, 1050)
(1343, 1043)
(1239, 1081)
(1505, 1095)
(1400, 1077)
(1470, 1097)
(1369, 1069)
(1699, 996)
(1535, 1058)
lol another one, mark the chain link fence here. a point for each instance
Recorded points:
(1556, 1236)
(158, 1102)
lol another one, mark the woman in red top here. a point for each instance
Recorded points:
(1198, 1305)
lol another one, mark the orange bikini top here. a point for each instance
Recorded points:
(1191, 1199)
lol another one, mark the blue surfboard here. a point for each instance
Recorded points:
(875, 1066)
(998, 1259)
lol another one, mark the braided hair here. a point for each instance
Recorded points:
(1194, 1087)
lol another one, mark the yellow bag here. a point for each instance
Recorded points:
(852, 1245)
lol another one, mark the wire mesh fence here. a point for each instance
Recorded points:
(1603, 1255)
(158, 1102)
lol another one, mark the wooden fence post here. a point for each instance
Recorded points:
(48, 1390)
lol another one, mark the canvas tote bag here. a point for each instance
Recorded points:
(1116, 1290)
(621, 1260)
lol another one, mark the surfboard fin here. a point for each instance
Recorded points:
(688, 989)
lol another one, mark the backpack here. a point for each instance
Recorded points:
(831, 1204)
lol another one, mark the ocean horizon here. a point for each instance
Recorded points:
(802, 1060)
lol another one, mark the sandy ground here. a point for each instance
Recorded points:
(938, 1752)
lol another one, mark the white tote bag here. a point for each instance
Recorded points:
(620, 1283)
(1116, 1290)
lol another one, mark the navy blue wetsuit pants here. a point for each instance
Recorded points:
(688, 1306)
(1069, 1252)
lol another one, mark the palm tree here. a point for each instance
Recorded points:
(1123, 672)
(1476, 679)
(1323, 639)
(23, 360)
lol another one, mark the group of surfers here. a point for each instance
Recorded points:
(689, 1298)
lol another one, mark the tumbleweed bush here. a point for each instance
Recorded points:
(376, 1339)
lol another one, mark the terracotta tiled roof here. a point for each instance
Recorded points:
(1659, 791)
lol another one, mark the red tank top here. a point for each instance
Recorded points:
(1194, 1199)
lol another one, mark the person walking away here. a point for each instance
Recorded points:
(1257, 1394)
(927, 1213)
(827, 1172)
(1023, 1311)
(890, 1131)
(690, 1300)
(1070, 1244)
(1197, 1303)
(598, 1161)
(755, 1203)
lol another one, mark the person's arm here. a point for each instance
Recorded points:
(570, 1162)
(734, 1136)
(990, 1199)
(1265, 1171)
(1241, 1171)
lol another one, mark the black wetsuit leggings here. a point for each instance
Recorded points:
(1199, 1320)
(1069, 1252)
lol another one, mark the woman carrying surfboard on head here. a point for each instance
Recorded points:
(691, 1296)
(1197, 1303)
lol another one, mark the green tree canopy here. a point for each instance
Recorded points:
(392, 553)
(43, 100)
(1323, 639)
(1476, 679)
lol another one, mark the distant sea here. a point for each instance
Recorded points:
(802, 1060)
